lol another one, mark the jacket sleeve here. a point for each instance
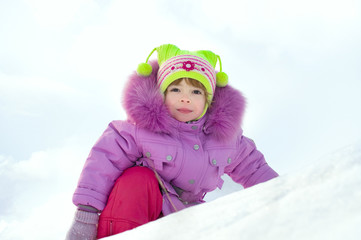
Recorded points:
(251, 167)
(115, 151)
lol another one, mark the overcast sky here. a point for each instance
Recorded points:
(63, 65)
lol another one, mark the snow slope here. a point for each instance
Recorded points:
(322, 201)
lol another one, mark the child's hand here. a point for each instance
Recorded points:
(83, 227)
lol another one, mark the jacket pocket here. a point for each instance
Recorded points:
(219, 159)
(160, 156)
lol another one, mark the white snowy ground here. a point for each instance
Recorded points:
(322, 201)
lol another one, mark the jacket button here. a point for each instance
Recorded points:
(229, 160)
(147, 154)
(196, 147)
(191, 181)
(169, 158)
(194, 127)
(214, 161)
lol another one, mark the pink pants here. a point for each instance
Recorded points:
(135, 200)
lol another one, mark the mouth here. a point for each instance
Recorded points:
(184, 110)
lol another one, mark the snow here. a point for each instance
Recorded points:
(321, 201)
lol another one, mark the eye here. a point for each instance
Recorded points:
(174, 90)
(198, 92)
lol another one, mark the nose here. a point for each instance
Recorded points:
(185, 99)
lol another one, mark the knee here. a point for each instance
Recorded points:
(138, 176)
(136, 183)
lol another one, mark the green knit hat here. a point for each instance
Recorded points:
(175, 63)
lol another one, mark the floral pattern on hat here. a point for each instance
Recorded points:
(188, 66)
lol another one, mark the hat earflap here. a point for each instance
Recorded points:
(221, 77)
(145, 69)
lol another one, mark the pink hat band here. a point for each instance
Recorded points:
(187, 66)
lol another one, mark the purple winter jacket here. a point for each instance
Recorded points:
(190, 158)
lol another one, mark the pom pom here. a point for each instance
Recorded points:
(144, 69)
(222, 79)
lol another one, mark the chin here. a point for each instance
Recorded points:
(184, 119)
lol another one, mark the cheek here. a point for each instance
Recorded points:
(201, 103)
(168, 101)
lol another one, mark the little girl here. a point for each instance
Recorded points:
(182, 134)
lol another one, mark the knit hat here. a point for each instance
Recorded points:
(175, 63)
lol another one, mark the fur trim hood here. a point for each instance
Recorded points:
(145, 107)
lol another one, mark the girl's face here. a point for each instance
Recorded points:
(184, 101)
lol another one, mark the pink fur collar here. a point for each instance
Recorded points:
(144, 105)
